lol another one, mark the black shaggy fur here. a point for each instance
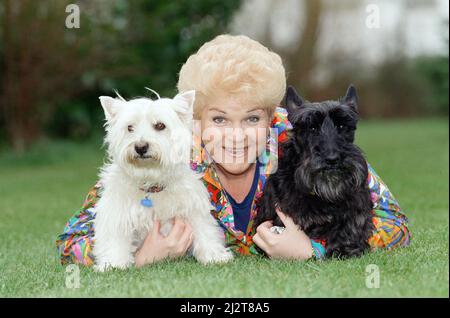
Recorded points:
(321, 181)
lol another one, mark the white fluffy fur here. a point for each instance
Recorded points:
(121, 221)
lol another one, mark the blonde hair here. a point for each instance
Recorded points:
(234, 65)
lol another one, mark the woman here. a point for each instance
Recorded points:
(239, 83)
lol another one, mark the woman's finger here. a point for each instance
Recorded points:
(267, 224)
(181, 245)
(185, 235)
(177, 229)
(191, 240)
(265, 234)
(260, 242)
(156, 228)
(287, 221)
(187, 238)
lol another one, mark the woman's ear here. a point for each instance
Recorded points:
(185, 105)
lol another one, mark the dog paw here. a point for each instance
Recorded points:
(223, 255)
(100, 268)
(104, 267)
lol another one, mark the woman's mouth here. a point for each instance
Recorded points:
(235, 152)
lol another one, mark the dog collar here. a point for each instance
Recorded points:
(147, 202)
(152, 189)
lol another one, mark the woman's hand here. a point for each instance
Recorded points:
(157, 247)
(293, 243)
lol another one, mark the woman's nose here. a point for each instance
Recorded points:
(236, 135)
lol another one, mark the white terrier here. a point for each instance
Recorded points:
(148, 178)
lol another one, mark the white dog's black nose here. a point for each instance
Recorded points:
(141, 148)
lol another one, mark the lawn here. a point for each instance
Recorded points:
(41, 190)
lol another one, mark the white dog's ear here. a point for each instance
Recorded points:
(110, 107)
(185, 105)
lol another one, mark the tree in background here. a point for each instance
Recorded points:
(51, 76)
(38, 65)
(327, 44)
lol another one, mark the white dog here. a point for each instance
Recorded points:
(148, 178)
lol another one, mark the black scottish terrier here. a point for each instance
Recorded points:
(321, 181)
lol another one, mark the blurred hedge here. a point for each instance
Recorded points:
(434, 72)
(127, 45)
(149, 52)
(123, 45)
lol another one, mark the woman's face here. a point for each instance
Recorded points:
(234, 132)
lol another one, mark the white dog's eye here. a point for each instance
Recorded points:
(130, 128)
(159, 126)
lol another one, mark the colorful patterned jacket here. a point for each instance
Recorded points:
(391, 225)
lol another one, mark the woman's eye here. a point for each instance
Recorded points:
(159, 126)
(219, 120)
(130, 128)
(253, 119)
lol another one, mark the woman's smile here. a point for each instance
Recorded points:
(234, 131)
(236, 152)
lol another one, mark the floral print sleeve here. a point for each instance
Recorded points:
(391, 224)
(75, 243)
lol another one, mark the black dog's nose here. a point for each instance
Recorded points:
(141, 148)
(332, 159)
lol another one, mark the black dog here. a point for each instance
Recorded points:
(321, 181)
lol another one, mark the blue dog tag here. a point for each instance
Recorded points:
(147, 202)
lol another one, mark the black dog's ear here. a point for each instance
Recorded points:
(351, 98)
(293, 100)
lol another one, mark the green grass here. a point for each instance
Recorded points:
(41, 190)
